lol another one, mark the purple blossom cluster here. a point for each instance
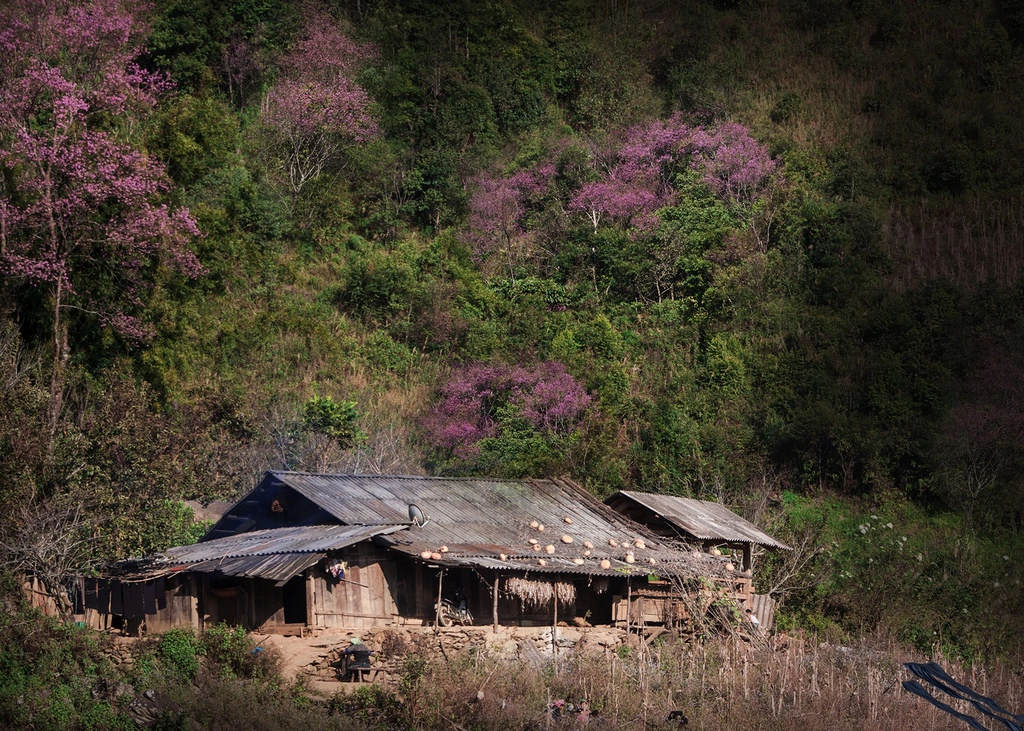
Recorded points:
(638, 176)
(76, 190)
(317, 108)
(545, 395)
(323, 52)
(499, 206)
(638, 181)
(304, 109)
(631, 179)
(733, 164)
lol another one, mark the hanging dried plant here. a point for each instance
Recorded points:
(541, 593)
(566, 593)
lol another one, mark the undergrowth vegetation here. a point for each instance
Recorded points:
(58, 676)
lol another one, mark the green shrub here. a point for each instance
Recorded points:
(231, 652)
(178, 651)
(52, 675)
(371, 705)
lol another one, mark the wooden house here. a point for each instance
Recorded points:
(711, 527)
(308, 551)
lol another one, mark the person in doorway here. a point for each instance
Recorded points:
(357, 657)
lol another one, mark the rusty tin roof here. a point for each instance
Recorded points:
(701, 519)
(277, 554)
(477, 520)
(275, 541)
(503, 525)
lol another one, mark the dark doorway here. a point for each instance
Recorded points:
(293, 596)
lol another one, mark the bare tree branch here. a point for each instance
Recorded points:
(51, 540)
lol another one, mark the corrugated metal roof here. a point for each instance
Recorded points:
(277, 567)
(680, 564)
(299, 539)
(478, 519)
(702, 519)
(480, 508)
(277, 554)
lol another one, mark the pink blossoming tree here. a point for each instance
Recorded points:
(479, 401)
(316, 110)
(82, 215)
(638, 178)
(742, 173)
(629, 180)
(498, 212)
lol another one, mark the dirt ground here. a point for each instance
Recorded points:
(298, 655)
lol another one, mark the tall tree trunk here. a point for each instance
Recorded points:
(60, 362)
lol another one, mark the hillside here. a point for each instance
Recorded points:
(766, 253)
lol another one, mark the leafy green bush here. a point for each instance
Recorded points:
(231, 652)
(52, 675)
(179, 651)
(371, 705)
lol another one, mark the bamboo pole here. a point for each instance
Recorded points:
(629, 601)
(437, 605)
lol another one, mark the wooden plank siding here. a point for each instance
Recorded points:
(180, 607)
(364, 598)
(660, 603)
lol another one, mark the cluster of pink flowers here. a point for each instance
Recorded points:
(733, 164)
(303, 109)
(631, 179)
(77, 190)
(317, 103)
(639, 178)
(545, 395)
(499, 206)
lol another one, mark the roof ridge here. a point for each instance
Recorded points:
(414, 477)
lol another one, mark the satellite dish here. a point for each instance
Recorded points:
(416, 515)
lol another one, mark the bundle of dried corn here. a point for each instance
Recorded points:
(540, 593)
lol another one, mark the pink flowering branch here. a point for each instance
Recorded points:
(633, 177)
(80, 208)
(470, 404)
(498, 211)
(317, 110)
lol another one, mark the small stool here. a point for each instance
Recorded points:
(362, 675)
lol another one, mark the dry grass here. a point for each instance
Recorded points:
(540, 593)
(969, 243)
(786, 683)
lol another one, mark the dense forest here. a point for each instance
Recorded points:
(762, 253)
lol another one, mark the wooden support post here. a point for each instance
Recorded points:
(494, 603)
(629, 601)
(437, 605)
(746, 557)
(554, 622)
(310, 598)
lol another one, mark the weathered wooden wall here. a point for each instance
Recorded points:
(364, 597)
(180, 606)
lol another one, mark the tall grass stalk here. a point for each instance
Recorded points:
(793, 682)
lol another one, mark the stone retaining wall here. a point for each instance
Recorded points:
(533, 645)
